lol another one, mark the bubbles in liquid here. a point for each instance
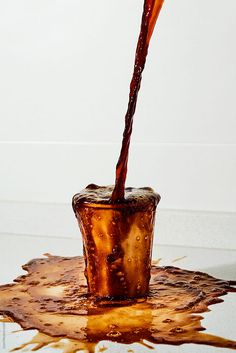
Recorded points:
(168, 320)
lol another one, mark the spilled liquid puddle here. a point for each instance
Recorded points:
(52, 298)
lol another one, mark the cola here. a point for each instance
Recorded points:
(117, 239)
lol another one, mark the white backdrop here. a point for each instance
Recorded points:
(65, 68)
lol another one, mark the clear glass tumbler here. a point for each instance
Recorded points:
(117, 241)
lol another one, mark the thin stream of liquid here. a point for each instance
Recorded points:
(151, 11)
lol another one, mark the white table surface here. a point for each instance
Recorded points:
(19, 249)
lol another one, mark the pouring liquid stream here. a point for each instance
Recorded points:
(151, 11)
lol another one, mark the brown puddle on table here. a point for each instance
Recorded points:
(52, 298)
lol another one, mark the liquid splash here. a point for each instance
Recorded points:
(52, 298)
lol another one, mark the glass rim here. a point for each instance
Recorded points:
(122, 205)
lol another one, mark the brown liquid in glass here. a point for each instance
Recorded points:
(54, 296)
(117, 239)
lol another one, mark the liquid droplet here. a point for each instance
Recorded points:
(113, 334)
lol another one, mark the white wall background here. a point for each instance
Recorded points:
(65, 68)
